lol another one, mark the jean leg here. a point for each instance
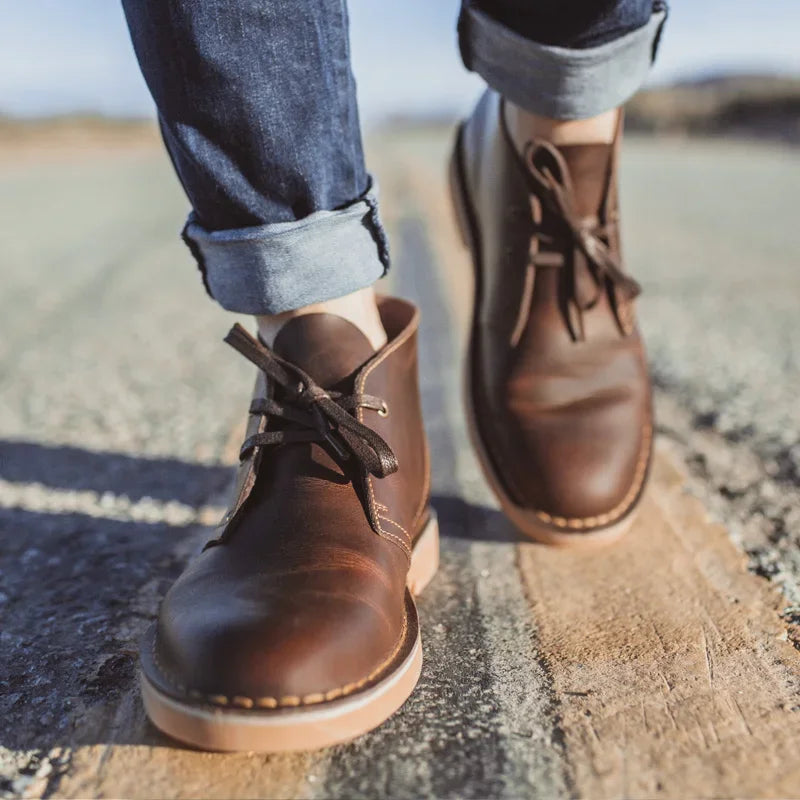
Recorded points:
(565, 59)
(257, 107)
(577, 24)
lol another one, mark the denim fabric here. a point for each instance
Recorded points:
(601, 64)
(257, 104)
(287, 265)
(257, 107)
(574, 24)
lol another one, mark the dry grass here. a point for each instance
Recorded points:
(750, 105)
(57, 138)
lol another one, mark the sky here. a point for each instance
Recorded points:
(60, 56)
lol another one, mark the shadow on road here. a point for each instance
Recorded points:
(460, 519)
(76, 469)
(77, 590)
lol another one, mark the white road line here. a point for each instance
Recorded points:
(38, 498)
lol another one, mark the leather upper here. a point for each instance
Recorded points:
(559, 377)
(302, 597)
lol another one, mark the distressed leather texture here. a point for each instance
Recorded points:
(559, 380)
(302, 598)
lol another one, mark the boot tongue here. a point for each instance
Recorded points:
(327, 347)
(588, 166)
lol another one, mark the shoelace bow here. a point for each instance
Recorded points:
(586, 234)
(320, 415)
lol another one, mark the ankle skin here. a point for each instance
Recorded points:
(359, 308)
(524, 126)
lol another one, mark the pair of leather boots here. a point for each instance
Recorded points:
(296, 627)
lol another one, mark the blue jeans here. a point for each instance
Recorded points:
(257, 107)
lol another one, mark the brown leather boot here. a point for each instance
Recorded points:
(296, 627)
(558, 390)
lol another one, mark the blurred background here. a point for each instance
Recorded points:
(730, 58)
(121, 412)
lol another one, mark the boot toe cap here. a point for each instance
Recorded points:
(256, 647)
(579, 478)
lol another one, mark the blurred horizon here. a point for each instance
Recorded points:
(76, 58)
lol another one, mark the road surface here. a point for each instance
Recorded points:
(663, 667)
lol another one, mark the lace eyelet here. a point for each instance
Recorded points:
(383, 411)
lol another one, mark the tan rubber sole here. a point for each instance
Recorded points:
(313, 726)
(525, 520)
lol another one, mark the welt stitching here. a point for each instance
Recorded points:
(615, 513)
(282, 702)
(621, 507)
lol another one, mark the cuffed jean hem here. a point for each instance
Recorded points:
(283, 266)
(558, 82)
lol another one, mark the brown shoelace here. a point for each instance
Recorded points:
(588, 236)
(314, 414)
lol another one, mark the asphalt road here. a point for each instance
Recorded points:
(710, 230)
(119, 420)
